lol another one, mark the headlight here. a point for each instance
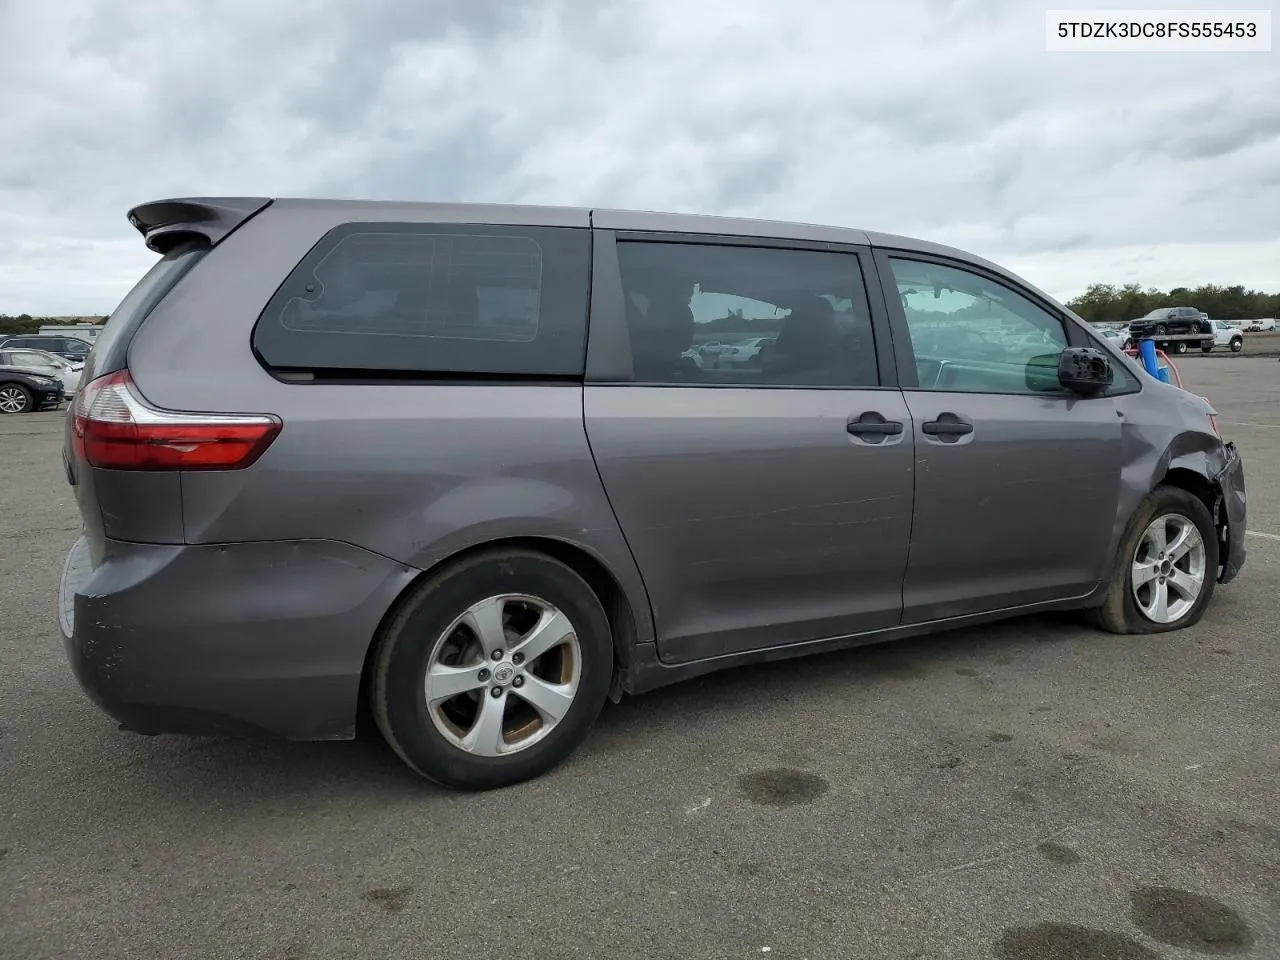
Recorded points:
(44, 381)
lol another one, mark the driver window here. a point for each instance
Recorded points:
(972, 334)
(746, 316)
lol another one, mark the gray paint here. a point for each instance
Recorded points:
(237, 638)
(1017, 512)
(739, 524)
(753, 513)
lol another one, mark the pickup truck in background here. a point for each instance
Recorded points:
(1225, 335)
(1174, 329)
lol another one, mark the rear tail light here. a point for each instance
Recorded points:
(116, 429)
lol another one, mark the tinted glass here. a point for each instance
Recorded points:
(71, 345)
(434, 299)
(751, 316)
(973, 334)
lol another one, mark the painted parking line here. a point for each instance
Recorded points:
(1252, 423)
(1264, 536)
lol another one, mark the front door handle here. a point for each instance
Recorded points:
(951, 426)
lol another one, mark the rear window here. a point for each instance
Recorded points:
(434, 299)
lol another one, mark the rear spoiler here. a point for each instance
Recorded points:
(166, 223)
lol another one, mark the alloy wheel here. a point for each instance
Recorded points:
(503, 675)
(1168, 569)
(12, 400)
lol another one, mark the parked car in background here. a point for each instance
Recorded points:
(745, 351)
(69, 348)
(46, 364)
(1225, 335)
(1119, 337)
(314, 478)
(1265, 325)
(23, 390)
(1169, 320)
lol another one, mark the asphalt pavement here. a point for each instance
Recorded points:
(1033, 790)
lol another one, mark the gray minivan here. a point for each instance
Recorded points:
(462, 466)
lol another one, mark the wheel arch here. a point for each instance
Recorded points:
(623, 622)
(1198, 480)
(1197, 484)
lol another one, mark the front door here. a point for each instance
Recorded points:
(1016, 478)
(760, 469)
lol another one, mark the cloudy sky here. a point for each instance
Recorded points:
(946, 120)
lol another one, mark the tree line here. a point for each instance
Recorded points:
(25, 323)
(1106, 303)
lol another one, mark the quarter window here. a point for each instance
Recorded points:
(747, 316)
(446, 299)
(972, 334)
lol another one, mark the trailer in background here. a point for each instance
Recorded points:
(1182, 342)
(84, 331)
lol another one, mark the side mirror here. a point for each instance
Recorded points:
(1084, 370)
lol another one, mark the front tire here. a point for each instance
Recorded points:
(1180, 347)
(1237, 345)
(493, 670)
(1165, 568)
(15, 398)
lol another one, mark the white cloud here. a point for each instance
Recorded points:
(942, 120)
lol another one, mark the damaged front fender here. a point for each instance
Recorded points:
(1160, 449)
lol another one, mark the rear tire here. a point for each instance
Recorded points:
(15, 398)
(1127, 610)
(437, 641)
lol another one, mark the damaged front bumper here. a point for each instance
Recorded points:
(1229, 514)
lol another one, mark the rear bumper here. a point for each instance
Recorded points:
(241, 639)
(1231, 484)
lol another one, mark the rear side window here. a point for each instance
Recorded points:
(434, 299)
(703, 314)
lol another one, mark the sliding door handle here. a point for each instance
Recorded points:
(890, 428)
